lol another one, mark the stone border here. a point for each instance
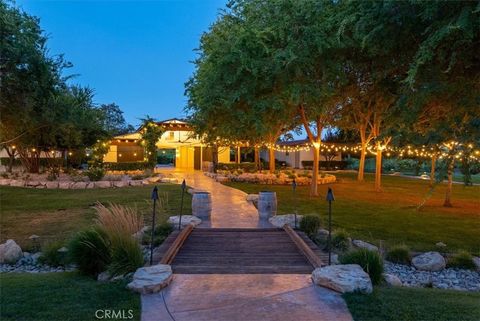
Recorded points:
(84, 185)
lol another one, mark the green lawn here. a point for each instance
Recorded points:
(55, 214)
(391, 215)
(62, 297)
(413, 304)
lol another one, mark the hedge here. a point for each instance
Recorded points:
(326, 164)
(248, 167)
(131, 166)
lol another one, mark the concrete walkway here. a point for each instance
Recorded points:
(245, 297)
(239, 297)
(229, 205)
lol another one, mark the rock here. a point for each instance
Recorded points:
(441, 244)
(252, 198)
(364, 245)
(154, 179)
(186, 220)
(10, 252)
(51, 185)
(391, 280)
(4, 181)
(135, 183)
(151, 279)
(32, 183)
(139, 235)
(42, 185)
(476, 261)
(335, 259)
(222, 179)
(104, 276)
(120, 183)
(281, 220)
(36, 256)
(430, 261)
(102, 184)
(90, 185)
(64, 185)
(343, 278)
(146, 181)
(79, 185)
(17, 183)
(168, 180)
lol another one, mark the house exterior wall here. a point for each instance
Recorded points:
(294, 159)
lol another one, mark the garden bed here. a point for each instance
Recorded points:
(283, 177)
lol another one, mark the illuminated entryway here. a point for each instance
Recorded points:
(166, 157)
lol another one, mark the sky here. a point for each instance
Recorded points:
(137, 54)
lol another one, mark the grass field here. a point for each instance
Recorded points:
(62, 297)
(54, 214)
(391, 215)
(413, 304)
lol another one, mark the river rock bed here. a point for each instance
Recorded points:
(455, 279)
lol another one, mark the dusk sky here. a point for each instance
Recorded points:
(135, 53)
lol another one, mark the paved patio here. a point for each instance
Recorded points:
(245, 297)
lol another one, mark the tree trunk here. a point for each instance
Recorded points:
(378, 169)
(314, 184)
(237, 156)
(215, 158)
(448, 193)
(361, 163)
(432, 170)
(257, 158)
(11, 158)
(271, 159)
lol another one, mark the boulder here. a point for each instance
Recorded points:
(169, 180)
(186, 220)
(4, 181)
(252, 198)
(391, 280)
(440, 244)
(102, 184)
(17, 183)
(476, 261)
(90, 185)
(51, 185)
(42, 185)
(104, 276)
(222, 179)
(10, 252)
(151, 279)
(154, 179)
(120, 183)
(145, 181)
(281, 220)
(135, 183)
(79, 185)
(343, 278)
(139, 235)
(430, 261)
(64, 185)
(364, 245)
(32, 183)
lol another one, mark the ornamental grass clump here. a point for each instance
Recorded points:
(461, 260)
(51, 256)
(399, 254)
(310, 225)
(91, 251)
(120, 223)
(370, 261)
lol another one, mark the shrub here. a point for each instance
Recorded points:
(310, 224)
(51, 256)
(399, 254)
(162, 231)
(370, 261)
(127, 256)
(246, 167)
(95, 173)
(131, 166)
(340, 240)
(90, 250)
(461, 260)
